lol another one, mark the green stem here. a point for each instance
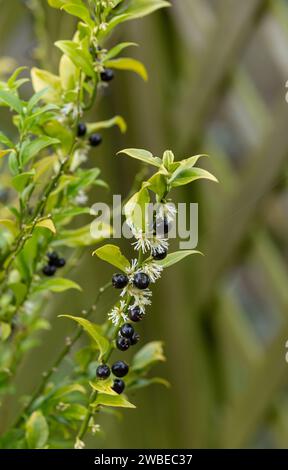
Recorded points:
(63, 353)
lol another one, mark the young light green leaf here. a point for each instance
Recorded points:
(10, 99)
(80, 11)
(103, 386)
(136, 209)
(5, 152)
(104, 399)
(126, 63)
(93, 330)
(148, 355)
(43, 80)
(79, 56)
(115, 121)
(183, 176)
(112, 254)
(5, 331)
(37, 431)
(57, 284)
(119, 48)
(10, 225)
(173, 258)
(142, 155)
(67, 390)
(47, 223)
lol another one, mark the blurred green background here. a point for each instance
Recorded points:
(217, 70)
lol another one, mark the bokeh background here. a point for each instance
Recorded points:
(217, 70)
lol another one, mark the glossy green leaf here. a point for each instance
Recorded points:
(79, 56)
(136, 209)
(143, 156)
(103, 386)
(19, 182)
(57, 284)
(173, 258)
(112, 254)
(37, 431)
(115, 121)
(33, 148)
(104, 399)
(126, 63)
(119, 48)
(80, 11)
(93, 330)
(11, 100)
(185, 176)
(6, 141)
(148, 355)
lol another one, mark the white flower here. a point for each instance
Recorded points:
(95, 428)
(80, 156)
(79, 444)
(153, 270)
(132, 269)
(143, 240)
(118, 313)
(69, 109)
(81, 198)
(159, 245)
(103, 26)
(141, 297)
(166, 211)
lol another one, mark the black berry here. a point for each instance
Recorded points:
(81, 129)
(162, 227)
(120, 369)
(127, 330)
(141, 281)
(53, 258)
(95, 140)
(118, 386)
(119, 281)
(60, 263)
(123, 343)
(103, 371)
(107, 75)
(135, 338)
(159, 255)
(49, 270)
(136, 314)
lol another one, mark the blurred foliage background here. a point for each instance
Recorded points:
(217, 70)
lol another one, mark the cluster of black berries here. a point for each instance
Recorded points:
(140, 280)
(119, 370)
(54, 263)
(127, 337)
(94, 139)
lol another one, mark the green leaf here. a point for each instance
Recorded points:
(142, 155)
(80, 11)
(104, 399)
(11, 100)
(5, 152)
(136, 9)
(173, 258)
(119, 48)
(136, 209)
(5, 331)
(57, 284)
(47, 223)
(148, 355)
(126, 63)
(33, 148)
(115, 121)
(143, 382)
(79, 57)
(5, 140)
(82, 236)
(112, 254)
(168, 159)
(183, 176)
(37, 431)
(158, 184)
(60, 3)
(9, 225)
(94, 331)
(67, 390)
(43, 80)
(103, 386)
(20, 290)
(19, 182)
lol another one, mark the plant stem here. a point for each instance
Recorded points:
(63, 353)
